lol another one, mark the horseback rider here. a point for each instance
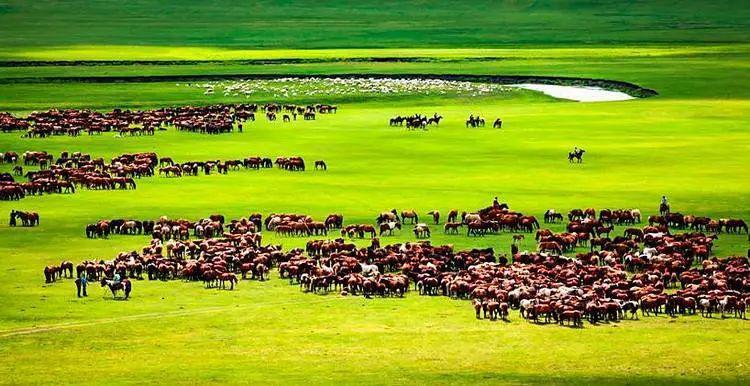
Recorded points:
(664, 208)
(117, 279)
(495, 203)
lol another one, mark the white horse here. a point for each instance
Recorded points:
(369, 270)
(273, 223)
(471, 217)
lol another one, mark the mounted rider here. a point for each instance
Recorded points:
(664, 206)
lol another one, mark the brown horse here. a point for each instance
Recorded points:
(228, 277)
(452, 227)
(435, 216)
(411, 215)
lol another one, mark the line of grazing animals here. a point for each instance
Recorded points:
(72, 171)
(212, 119)
(290, 112)
(213, 226)
(75, 170)
(28, 219)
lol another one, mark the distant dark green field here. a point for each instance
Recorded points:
(690, 142)
(305, 24)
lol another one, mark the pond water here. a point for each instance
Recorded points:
(576, 93)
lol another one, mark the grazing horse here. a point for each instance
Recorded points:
(421, 230)
(452, 227)
(576, 156)
(453, 215)
(125, 286)
(321, 164)
(435, 216)
(389, 227)
(411, 215)
(228, 277)
(551, 216)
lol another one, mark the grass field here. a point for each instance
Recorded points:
(340, 23)
(690, 142)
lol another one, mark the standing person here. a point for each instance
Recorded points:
(239, 127)
(12, 221)
(84, 284)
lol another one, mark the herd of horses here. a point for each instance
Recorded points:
(72, 171)
(650, 272)
(28, 219)
(212, 119)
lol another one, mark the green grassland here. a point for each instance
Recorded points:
(690, 142)
(363, 24)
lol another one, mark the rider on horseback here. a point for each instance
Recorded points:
(664, 207)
